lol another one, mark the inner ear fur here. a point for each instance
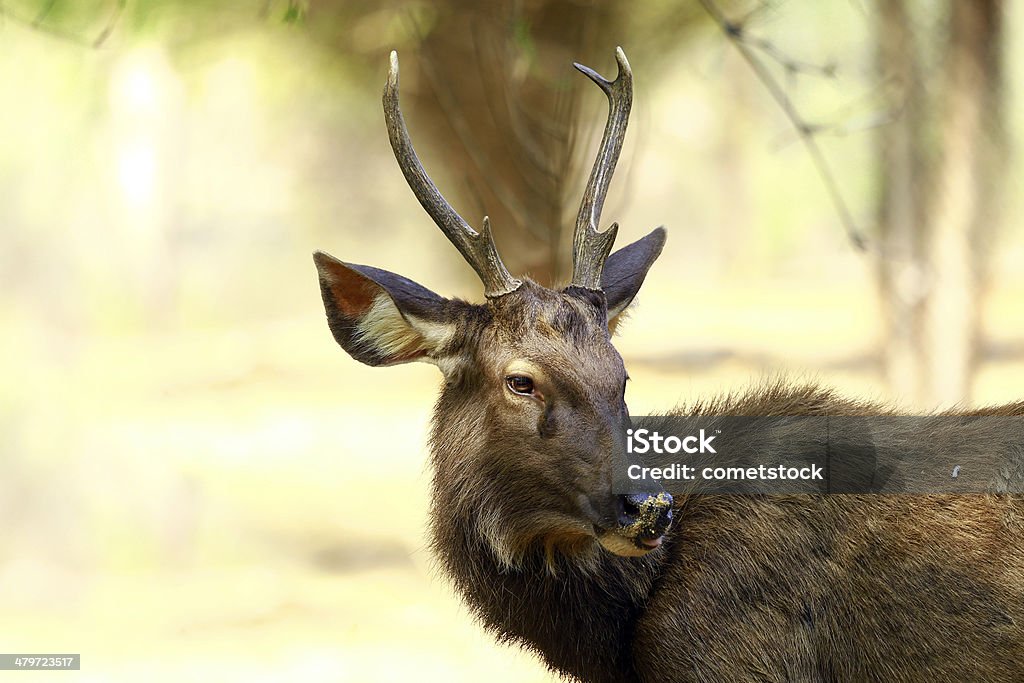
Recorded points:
(625, 270)
(381, 318)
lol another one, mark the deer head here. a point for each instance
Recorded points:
(532, 409)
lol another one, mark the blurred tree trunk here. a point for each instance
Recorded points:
(498, 91)
(937, 207)
(506, 127)
(962, 210)
(902, 164)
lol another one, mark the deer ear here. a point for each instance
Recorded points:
(625, 270)
(381, 318)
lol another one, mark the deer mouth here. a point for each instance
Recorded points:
(621, 542)
(651, 543)
(643, 520)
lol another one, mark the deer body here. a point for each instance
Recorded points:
(802, 602)
(642, 586)
(766, 588)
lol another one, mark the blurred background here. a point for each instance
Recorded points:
(192, 473)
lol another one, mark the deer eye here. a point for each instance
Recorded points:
(520, 384)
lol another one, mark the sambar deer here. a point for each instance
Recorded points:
(638, 585)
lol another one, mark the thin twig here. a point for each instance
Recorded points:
(735, 33)
(790, 65)
(44, 10)
(111, 23)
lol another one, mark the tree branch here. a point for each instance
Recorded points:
(37, 24)
(736, 34)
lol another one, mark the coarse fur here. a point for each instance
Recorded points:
(766, 588)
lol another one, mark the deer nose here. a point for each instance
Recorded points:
(649, 514)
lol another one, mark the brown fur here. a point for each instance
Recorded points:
(766, 588)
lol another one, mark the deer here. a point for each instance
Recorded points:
(657, 584)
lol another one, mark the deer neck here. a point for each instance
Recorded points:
(580, 616)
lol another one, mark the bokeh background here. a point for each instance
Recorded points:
(197, 484)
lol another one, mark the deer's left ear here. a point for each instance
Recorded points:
(381, 318)
(625, 270)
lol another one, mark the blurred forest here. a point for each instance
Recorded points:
(192, 471)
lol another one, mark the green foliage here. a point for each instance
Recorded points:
(295, 13)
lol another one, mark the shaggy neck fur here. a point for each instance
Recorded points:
(579, 616)
(574, 605)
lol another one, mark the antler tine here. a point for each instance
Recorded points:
(477, 248)
(590, 247)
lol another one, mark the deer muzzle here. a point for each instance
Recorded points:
(642, 521)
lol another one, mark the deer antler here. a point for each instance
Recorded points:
(590, 248)
(476, 247)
